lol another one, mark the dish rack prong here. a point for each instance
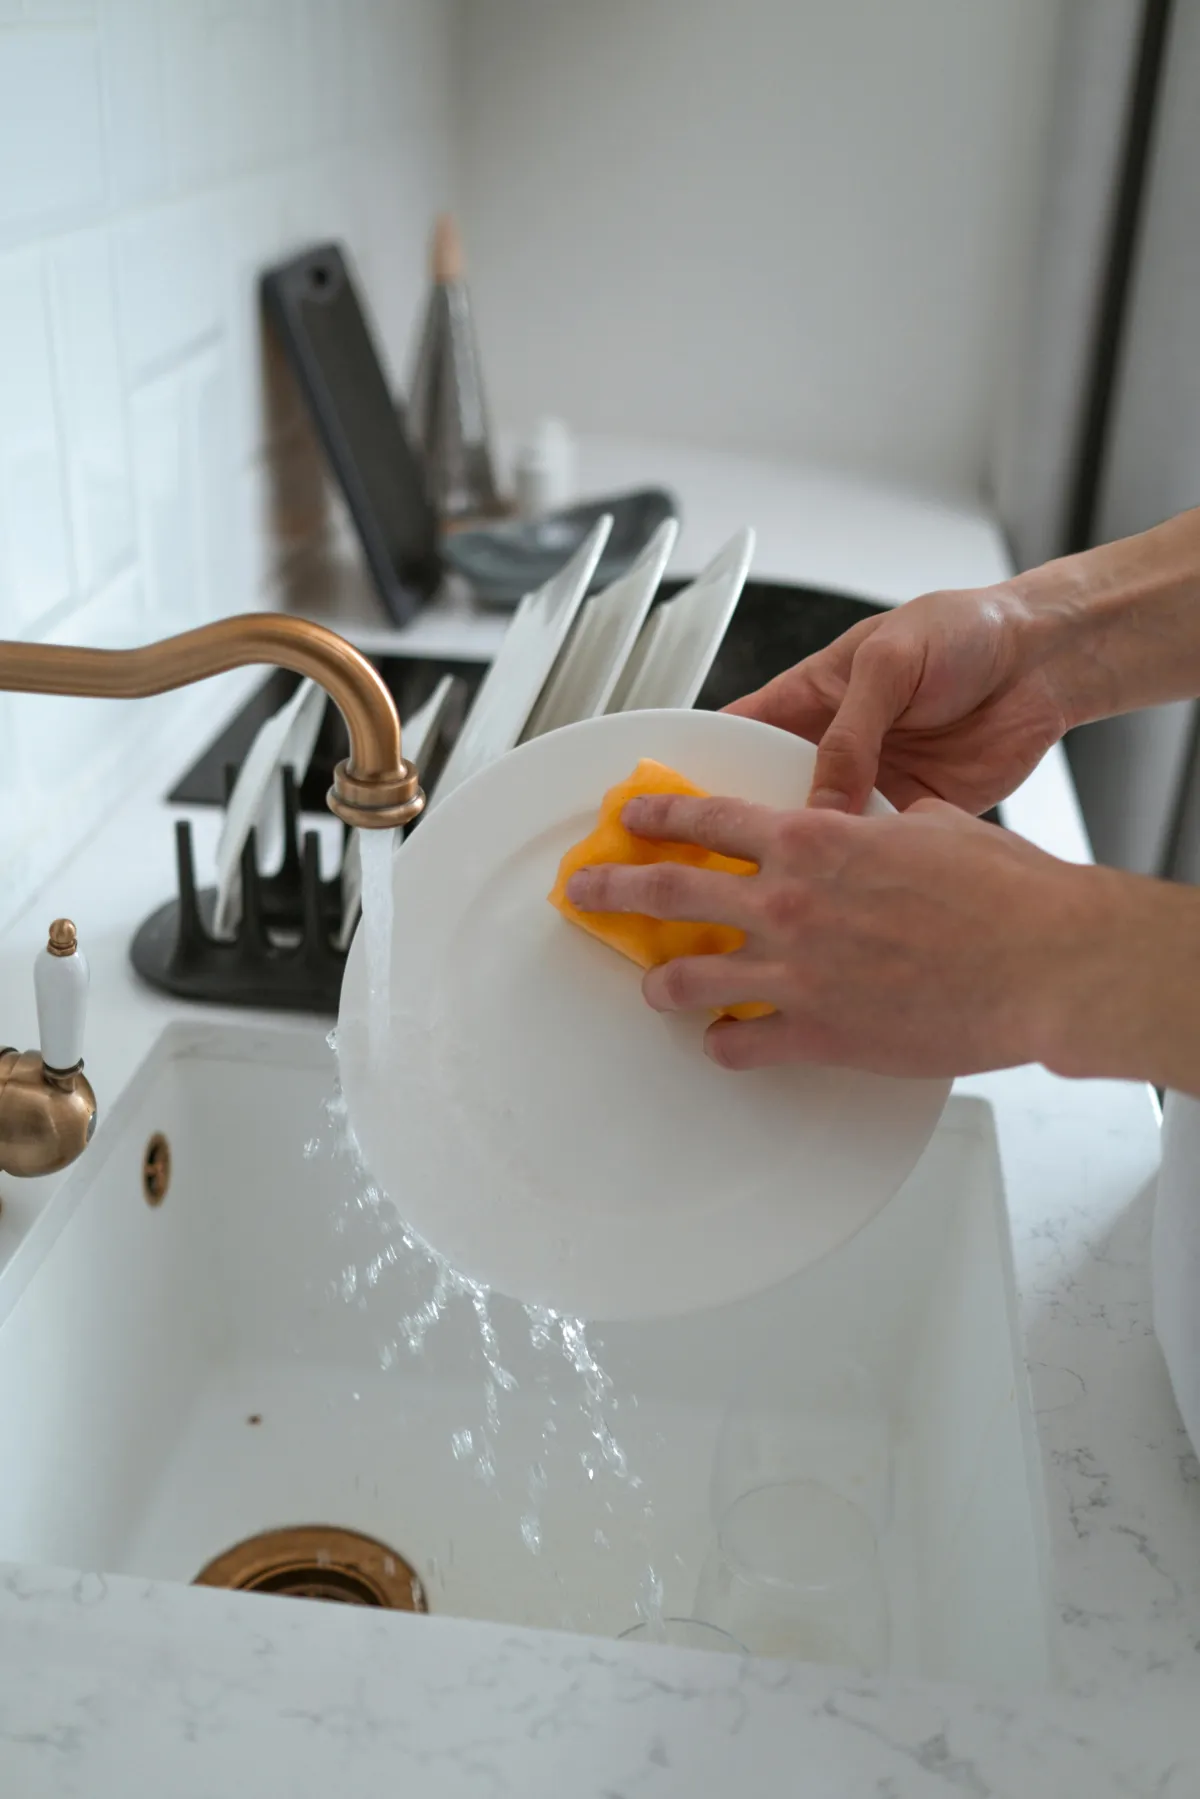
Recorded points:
(281, 955)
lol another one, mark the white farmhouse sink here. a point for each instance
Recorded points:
(174, 1379)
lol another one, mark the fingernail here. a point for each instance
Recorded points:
(577, 886)
(828, 799)
(632, 813)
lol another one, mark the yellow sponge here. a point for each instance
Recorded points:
(650, 941)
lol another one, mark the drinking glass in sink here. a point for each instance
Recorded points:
(823, 1420)
(795, 1575)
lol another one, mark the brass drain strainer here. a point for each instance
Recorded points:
(319, 1561)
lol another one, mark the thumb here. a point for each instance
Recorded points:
(790, 702)
(883, 679)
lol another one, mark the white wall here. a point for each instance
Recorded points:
(154, 155)
(790, 225)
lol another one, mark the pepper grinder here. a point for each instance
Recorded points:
(446, 413)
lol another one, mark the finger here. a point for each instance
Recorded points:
(948, 816)
(883, 678)
(731, 827)
(799, 699)
(790, 702)
(706, 983)
(902, 787)
(753, 1043)
(663, 890)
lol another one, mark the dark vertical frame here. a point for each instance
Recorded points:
(1120, 261)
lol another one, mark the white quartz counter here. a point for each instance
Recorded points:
(114, 1686)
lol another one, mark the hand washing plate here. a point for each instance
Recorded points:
(536, 1122)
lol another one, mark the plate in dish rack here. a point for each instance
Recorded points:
(536, 1122)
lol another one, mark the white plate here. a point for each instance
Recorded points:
(598, 648)
(682, 636)
(537, 1123)
(256, 803)
(511, 687)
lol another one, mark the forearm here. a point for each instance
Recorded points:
(1126, 1006)
(1118, 627)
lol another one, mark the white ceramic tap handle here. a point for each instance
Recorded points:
(60, 982)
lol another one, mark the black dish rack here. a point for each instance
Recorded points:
(283, 955)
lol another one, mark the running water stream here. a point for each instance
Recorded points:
(560, 1339)
(556, 1341)
(375, 849)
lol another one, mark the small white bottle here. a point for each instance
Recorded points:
(544, 476)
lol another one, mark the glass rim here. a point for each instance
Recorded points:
(645, 1627)
(868, 1564)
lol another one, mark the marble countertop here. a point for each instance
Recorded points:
(110, 1686)
(117, 1687)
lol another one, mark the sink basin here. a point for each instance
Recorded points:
(177, 1376)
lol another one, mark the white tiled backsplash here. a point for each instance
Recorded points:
(155, 155)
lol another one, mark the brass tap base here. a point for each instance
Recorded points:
(47, 1115)
(376, 802)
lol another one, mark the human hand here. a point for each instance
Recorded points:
(954, 696)
(921, 944)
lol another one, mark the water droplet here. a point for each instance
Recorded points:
(650, 1596)
(531, 1533)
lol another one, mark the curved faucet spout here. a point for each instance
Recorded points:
(374, 788)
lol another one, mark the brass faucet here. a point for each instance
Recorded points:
(48, 1112)
(374, 788)
(47, 1107)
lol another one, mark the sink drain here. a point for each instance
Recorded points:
(318, 1561)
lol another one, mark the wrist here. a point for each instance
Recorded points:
(1072, 612)
(1124, 1004)
(1052, 614)
(1113, 628)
